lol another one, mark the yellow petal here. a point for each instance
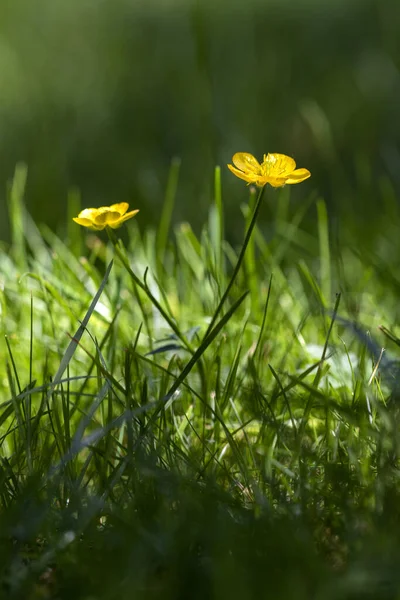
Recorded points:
(124, 218)
(89, 213)
(279, 164)
(277, 181)
(82, 221)
(104, 217)
(298, 176)
(120, 208)
(247, 177)
(88, 223)
(246, 162)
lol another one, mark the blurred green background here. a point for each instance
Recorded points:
(101, 95)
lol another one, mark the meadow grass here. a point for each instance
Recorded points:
(158, 444)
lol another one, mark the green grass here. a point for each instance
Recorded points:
(157, 442)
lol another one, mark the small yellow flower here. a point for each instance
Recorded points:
(276, 169)
(106, 216)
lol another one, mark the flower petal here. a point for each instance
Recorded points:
(124, 218)
(88, 223)
(104, 217)
(277, 181)
(298, 176)
(88, 213)
(246, 162)
(120, 208)
(247, 177)
(279, 165)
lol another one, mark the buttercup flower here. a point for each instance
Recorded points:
(106, 216)
(276, 169)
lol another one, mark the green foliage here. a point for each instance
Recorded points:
(102, 96)
(162, 438)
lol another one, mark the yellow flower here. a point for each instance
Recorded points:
(276, 169)
(106, 216)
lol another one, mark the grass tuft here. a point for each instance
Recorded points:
(215, 426)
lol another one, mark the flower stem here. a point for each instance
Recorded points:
(239, 262)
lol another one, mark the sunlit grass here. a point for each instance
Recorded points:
(160, 443)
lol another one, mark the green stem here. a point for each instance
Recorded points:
(239, 262)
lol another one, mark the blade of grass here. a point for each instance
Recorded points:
(216, 224)
(324, 252)
(16, 216)
(238, 263)
(171, 322)
(166, 214)
(70, 351)
(204, 345)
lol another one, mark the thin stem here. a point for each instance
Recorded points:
(239, 262)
